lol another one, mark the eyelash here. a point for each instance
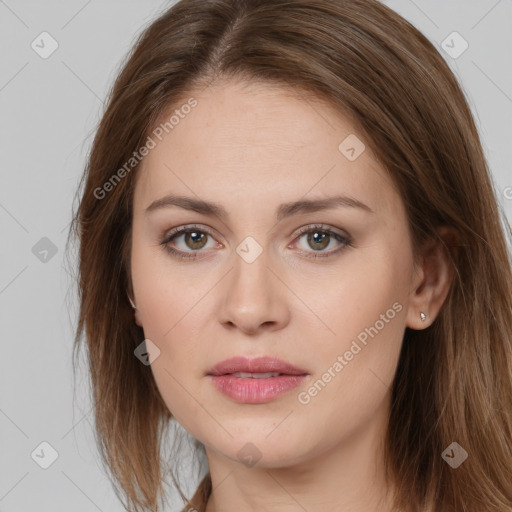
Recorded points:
(176, 232)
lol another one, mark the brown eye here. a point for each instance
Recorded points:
(195, 239)
(318, 239)
(189, 239)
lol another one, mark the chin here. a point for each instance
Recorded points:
(255, 448)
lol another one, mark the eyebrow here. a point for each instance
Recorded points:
(283, 211)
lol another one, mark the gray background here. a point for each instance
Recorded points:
(49, 110)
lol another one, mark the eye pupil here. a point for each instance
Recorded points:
(319, 239)
(196, 244)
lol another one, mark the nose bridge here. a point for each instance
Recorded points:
(252, 297)
(250, 268)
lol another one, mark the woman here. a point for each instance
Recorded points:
(290, 244)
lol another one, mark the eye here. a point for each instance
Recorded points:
(194, 238)
(319, 237)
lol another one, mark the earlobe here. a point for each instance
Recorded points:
(136, 312)
(131, 302)
(433, 280)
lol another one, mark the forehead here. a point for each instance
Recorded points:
(244, 144)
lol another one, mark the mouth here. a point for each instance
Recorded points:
(256, 368)
(247, 375)
(255, 381)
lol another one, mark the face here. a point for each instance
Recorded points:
(323, 289)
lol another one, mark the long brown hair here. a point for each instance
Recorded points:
(454, 379)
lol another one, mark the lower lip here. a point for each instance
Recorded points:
(255, 391)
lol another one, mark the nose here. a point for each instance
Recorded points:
(254, 297)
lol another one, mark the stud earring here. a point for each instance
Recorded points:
(423, 316)
(131, 302)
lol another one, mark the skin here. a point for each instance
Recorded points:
(251, 147)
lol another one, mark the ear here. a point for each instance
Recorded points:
(136, 312)
(138, 320)
(432, 279)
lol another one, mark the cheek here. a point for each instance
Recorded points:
(364, 308)
(167, 292)
(172, 314)
(369, 286)
(179, 370)
(355, 367)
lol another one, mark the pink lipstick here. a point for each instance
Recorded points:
(255, 381)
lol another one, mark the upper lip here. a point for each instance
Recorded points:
(255, 365)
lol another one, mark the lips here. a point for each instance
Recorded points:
(258, 365)
(255, 381)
